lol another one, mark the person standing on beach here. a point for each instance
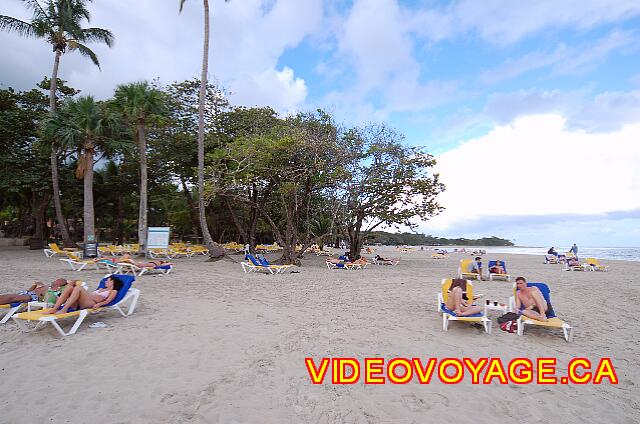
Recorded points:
(574, 249)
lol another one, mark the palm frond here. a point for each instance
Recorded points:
(97, 34)
(85, 51)
(25, 29)
(182, 4)
(38, 12)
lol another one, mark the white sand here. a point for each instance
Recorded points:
(209, 344)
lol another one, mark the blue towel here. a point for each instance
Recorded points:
(450, 312)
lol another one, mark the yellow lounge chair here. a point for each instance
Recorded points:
(126, 294)
(448, 315)
(77, 264)
(552, 320)
(464, 266)
(54, 249)
(595, 265)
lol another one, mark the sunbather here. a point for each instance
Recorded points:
(530, 301)
(150, 264)
(475, 266)
(32, 294)
(379, 258)
(77, 297)
(458, 302)
(498, 268)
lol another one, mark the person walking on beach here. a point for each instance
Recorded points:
(530, 302)
(574, 250)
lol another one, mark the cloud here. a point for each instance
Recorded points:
(505, 22)
(537, 172)
(563, 60)
(503, 108)
(153, 40)
(606, 112)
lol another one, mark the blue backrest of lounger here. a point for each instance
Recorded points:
(503, 264)
(252, 259)
(263, 260)
(546, 293)
(127, 281)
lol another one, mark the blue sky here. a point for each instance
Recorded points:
(534, 105)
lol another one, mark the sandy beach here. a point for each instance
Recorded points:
(210, 344)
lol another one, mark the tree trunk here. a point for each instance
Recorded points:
(215, 252)
(39, 215)
(89, 213)
(54, 157)
(142, 214)
(119, 236)
(193, 210)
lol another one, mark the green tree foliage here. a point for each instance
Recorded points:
(387, 183)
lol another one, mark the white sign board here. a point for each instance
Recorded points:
(158, 237)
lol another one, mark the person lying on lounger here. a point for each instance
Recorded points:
(458, 302)
(530, 301)
(498, 268)
(156, 262)
(32, 294)
(77, 297)
(386, 261)
(334, 261)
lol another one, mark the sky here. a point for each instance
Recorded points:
(532, 108)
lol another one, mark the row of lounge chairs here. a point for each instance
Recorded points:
(125, 303)
(482, 318)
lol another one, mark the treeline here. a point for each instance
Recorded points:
(295, 180)
(411, 239)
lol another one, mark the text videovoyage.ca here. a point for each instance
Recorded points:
(456, 370)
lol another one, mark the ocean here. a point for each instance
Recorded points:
(620, 253)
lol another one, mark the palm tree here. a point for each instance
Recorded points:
(60, 23)
(138, 102)
(214, 251)
(82, 124)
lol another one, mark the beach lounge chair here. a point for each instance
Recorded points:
(76, 263)
(493, 276)
(10, 309)
(464, 266)
(595, 265)
(54, 249)
(551, 259)
(552, 322)
(438, 255)
(125, 294)
(255, 265)
(448, 315)
(577, 267)
(390, 261)
(129, 268)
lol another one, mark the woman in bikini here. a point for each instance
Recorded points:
(458, 302)
(77, 297)
(497, 268)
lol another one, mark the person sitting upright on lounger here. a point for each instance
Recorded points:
(475, 267)
(498, 268)
(77, 297)
(530, 301)
(458, 302)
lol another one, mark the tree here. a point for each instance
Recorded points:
(388, 183)
(60, 23)
(139, 103)
(83, 124)
(215, 252)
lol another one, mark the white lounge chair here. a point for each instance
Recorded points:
(125, 294)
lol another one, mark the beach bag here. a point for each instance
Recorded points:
(508, 322)
(509, 326)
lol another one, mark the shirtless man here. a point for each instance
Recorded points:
(530, 301)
